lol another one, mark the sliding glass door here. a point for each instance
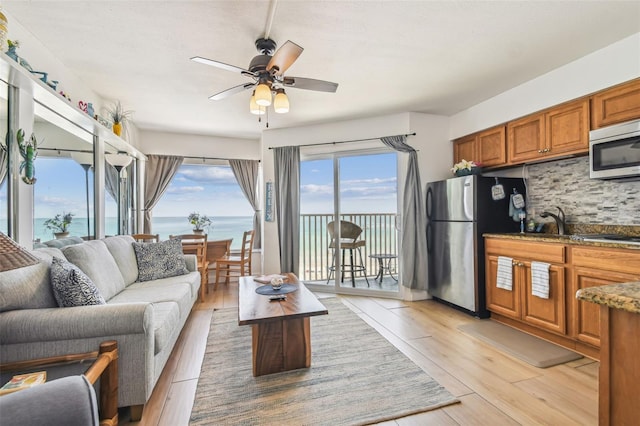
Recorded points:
(348, 237)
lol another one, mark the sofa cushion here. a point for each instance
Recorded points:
(159, 260)
(192, 278)
(96, 261)
(180, 293)
(121, 248)
(71, 286)
(29, 287)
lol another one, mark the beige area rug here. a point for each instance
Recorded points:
(526, 347)
(356, 377)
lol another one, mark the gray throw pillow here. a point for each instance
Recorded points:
(159, 260)
(71, 286)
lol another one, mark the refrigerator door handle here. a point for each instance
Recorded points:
(429, 201)
(429, 237)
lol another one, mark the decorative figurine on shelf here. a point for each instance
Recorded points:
(64, 95)
(90, 110)
(29, 152)
(11, 51)
(82, 106)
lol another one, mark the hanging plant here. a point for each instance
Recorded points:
(28, 152)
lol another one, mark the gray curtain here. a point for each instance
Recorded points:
(414, 242)
(159, 171)
(246, 173)
(111, 180)
(287, 188)
(3, 163)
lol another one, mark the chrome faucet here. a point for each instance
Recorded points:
(558, 218)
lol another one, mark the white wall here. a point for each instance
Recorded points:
(152, 142)
(614, 64)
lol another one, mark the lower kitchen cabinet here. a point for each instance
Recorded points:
(562, 318)
(519, 303)
(593, 267)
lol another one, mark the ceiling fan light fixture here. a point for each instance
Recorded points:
(281, 102)
(254, 108)
(263, 95)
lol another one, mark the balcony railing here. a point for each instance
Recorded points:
(378, 232)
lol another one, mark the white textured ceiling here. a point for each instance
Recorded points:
(437, 57)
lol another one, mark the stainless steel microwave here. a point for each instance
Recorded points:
(614, 152)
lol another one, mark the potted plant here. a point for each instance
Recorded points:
(119, 116)
(199, 222)
(59, 224)
(465, 168)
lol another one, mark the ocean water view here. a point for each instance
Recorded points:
(223, 227)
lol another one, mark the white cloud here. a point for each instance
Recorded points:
(184, 189)
(213, 175)
(316, 189)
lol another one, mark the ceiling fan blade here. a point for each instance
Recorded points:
(231, 91)
(284, 57)
(221, 65)
(310, 84)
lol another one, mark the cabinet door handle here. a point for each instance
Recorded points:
(540, 151)
(547, 150)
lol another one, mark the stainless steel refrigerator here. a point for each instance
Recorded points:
(459, 211)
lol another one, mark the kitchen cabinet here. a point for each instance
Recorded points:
(464, 149)
(519, 304)
(616, 105)
(594, 267)
(489, 147)
(492, 147)
(558, 131)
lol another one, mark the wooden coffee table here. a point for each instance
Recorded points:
(281, 334)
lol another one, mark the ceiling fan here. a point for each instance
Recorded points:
(267, 72)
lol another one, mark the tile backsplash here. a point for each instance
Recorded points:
(566, 183)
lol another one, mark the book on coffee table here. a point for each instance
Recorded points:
(23, 381)
(266, 279)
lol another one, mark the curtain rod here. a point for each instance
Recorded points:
(353, 140)
(211, 158)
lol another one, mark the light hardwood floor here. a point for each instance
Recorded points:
(494, 388)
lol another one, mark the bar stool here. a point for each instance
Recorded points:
(349, 234)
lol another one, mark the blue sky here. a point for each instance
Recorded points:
(368, 185)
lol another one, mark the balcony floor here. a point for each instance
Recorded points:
(388, 283)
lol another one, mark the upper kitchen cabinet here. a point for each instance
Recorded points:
(526, 139)
(556, 132)
(489, 147)
(616, 105)
(492, 147)
(465, 149)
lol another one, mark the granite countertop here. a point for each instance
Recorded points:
(564, 239)
(618, 296)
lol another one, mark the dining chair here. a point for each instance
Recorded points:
(146, 238)
(217, 249)
(197, 244)
(349, 240)
(241, 265)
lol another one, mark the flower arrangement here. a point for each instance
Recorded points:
(199, 222)
(465, 167)
(59, 223)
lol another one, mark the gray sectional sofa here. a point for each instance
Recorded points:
(145, 318)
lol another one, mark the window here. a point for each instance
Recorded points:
(61, 189)
(210, 190)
